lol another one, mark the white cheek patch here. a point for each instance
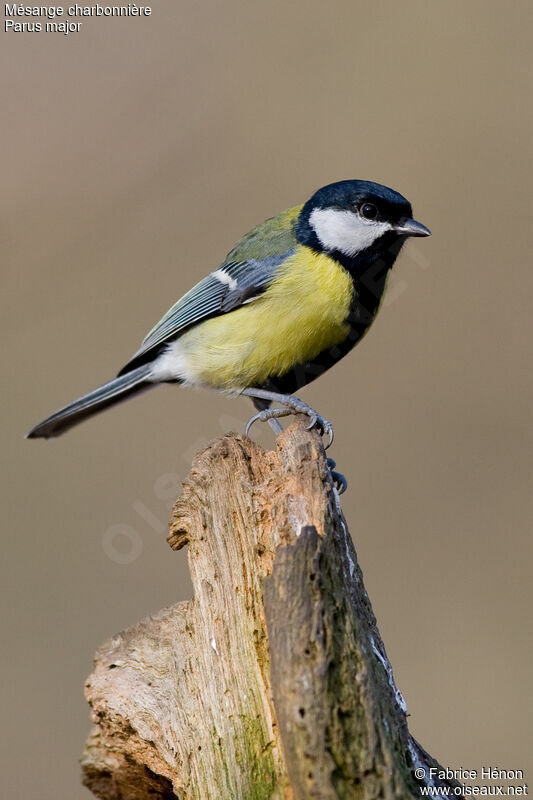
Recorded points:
(345, 231)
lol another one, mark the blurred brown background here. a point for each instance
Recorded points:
(135, 154)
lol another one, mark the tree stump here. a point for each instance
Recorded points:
(273, 681)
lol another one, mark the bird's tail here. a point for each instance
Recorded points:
(107, 395)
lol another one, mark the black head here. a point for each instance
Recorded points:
(357, 220)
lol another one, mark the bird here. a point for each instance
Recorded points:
(292, 298)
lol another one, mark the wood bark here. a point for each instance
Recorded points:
(273, 681)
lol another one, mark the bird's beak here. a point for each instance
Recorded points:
(410, 227)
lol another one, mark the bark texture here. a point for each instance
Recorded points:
(273, 681)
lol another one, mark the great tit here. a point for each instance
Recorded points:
(293, 297)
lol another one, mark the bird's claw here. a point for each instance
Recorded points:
(323, 425)
(265, 415)
(339, 481)
(256, 418)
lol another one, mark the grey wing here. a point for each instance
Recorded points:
(227, 288)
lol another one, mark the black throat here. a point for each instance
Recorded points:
(368, 269)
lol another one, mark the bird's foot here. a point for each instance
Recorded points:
(295, 406)
(339, 481)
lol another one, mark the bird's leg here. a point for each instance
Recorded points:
(292, 405)
(276, 426)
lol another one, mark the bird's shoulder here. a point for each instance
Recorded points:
(274, 236)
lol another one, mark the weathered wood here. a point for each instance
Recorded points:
(272, 682)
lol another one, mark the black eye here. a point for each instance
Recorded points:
(368, 210)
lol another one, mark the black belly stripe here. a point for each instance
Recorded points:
(369, 281)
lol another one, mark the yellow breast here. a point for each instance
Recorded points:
(302, 312)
